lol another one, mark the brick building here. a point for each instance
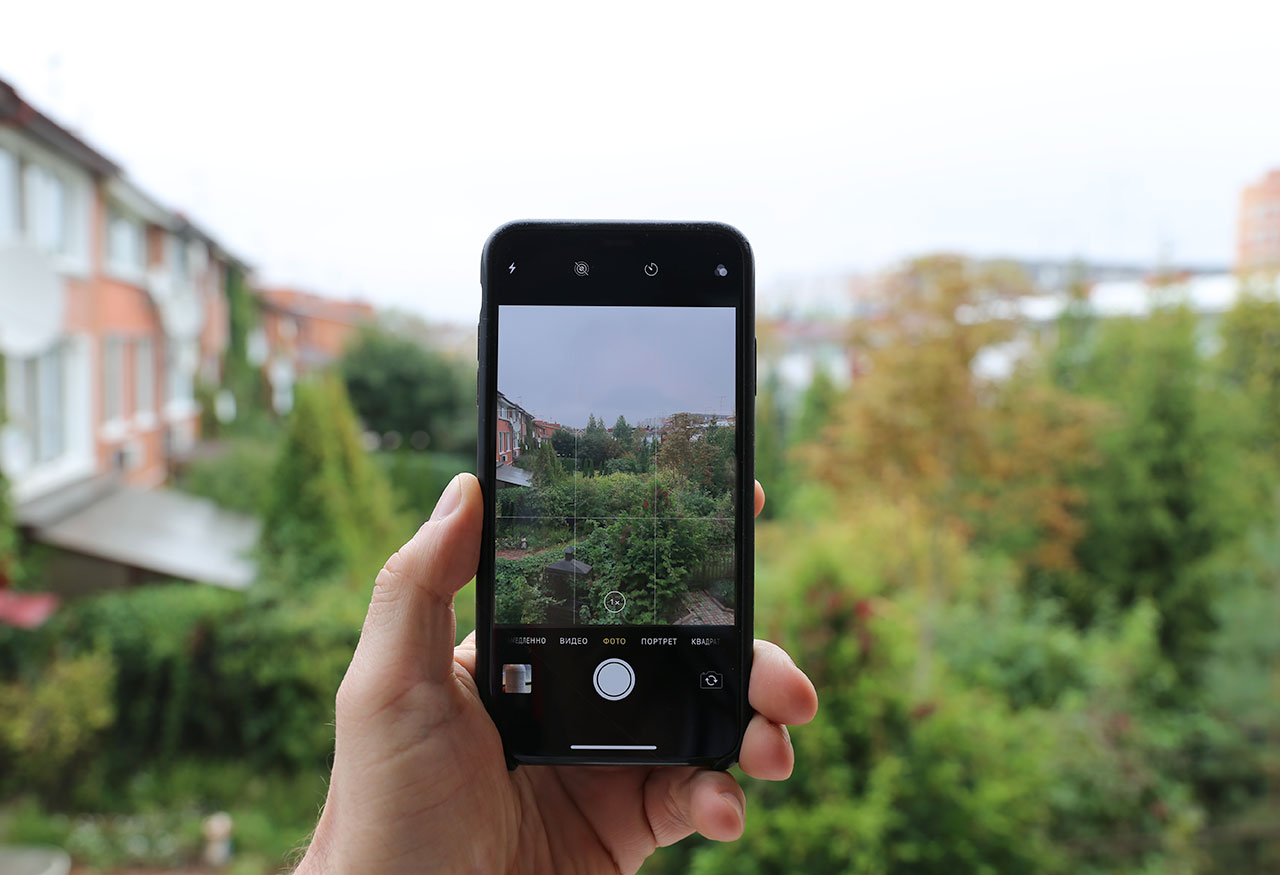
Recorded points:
(111, 306)
(1258, 241)
(301, 332)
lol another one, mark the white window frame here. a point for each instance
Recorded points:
(37, 401)
(48, 209)
(179, 381)
(177, 259)
(37, 170)
(10, 186)
(113, 393)
(129, 233)
(144, 382)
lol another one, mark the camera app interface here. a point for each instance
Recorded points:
(615, 467)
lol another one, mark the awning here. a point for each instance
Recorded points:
(161, 531)
(510, 475)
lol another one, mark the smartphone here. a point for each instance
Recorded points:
(616, 397)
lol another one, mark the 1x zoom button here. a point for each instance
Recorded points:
(614, 679)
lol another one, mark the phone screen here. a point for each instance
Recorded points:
(617, 509)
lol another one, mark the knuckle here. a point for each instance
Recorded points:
(390, 580)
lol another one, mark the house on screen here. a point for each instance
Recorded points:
(543, 430)
(514, 423)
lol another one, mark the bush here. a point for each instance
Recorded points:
(8, 530)
(238, 479)
(198, 670)
(418, 478)
(50, 726)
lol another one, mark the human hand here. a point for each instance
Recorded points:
(420, 783)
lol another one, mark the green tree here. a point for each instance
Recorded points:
(595, 446)
(992, 459)
(816, 405)
(329, 509)
(771, 457)
(547, 470)
(1175, 483)
(684, 449)
(622, 434)
(398, 385)
(240, 376)
(1249, 359)
(565, 443)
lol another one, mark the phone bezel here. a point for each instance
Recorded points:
(679, 248)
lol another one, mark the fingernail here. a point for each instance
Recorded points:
(736, 803)
(449, 499)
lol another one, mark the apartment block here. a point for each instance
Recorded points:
(1258, 243)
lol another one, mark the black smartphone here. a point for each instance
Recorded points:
(616, 396)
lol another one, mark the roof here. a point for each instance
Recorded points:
(510, 475)
(161, 531)
(569, 565)
(312, 306)
(1209, 294)
(16, 112)
(505, 399)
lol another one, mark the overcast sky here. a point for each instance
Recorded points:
(369, 148)
(563, 364)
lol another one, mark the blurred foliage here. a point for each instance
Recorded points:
(329, 509)
(418, 478)
(237, 476)
(1040, 610)
(8, 529)
(400, 386)
(150, 708)
(771, 447)
(1250, 355)
(244, 379)
(1176, 481)
(8, 532)
(51, 725)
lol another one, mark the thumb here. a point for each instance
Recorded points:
(409, 631)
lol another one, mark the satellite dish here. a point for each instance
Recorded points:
(32, 301)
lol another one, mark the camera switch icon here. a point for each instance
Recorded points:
(711, 680)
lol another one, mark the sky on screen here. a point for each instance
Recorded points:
(563, 364)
